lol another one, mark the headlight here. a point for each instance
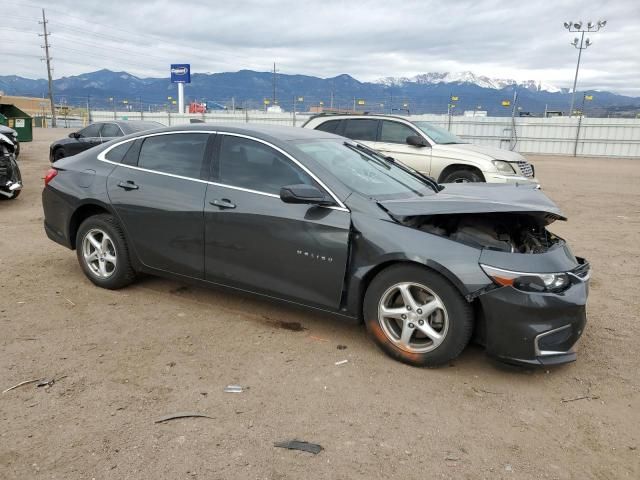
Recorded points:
(504, 167)
(528, 282)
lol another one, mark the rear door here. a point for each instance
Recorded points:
(364, 130)
(159, 196)
(257, 242)
(392, 141)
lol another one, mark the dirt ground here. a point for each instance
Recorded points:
(123, 359)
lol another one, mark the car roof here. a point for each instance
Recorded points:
(273, 133)
(322, 117)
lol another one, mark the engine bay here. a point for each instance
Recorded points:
(504, 232)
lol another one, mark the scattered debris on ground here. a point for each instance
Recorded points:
(174, 416)
(342, 347)
(300, 445)
(40, 382)
(17, 385)
(581, 397)
(342, 362)
(233, 389)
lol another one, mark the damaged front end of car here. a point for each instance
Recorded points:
(533, 308)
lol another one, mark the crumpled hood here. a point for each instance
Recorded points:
(494, 153)
(459, 198)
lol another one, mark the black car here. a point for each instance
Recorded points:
(316, 219)
(96, 134)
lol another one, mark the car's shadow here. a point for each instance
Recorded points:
(273, 313)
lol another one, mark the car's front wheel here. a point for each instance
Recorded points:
(417, 316)
(103, 253)
(463, 175)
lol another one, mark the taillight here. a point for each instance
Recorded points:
(51, 173)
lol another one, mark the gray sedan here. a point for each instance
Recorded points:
(315, 219)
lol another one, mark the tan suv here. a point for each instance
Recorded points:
(429, 149)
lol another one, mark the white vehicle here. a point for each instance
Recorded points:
(429, 149)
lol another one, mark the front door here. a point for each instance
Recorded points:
(393, 142)
(255, 241)
(159, 200)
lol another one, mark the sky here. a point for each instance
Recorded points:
(365, 39)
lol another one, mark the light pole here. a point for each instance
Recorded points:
(580, 44)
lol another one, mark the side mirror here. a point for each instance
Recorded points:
(304, 194)
(417, 141)
(74, 135)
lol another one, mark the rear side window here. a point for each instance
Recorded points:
(92, 130)
(178, 153)
(361, 129)
(255, 166)
(395, 132)
(111, 130)
(116, 154)
(331, 126)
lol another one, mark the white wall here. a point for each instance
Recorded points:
(611, 137)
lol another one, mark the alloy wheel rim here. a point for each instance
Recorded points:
(413, 317)
(99, 253)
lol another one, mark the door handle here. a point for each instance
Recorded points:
(128, 185)
(224, 203)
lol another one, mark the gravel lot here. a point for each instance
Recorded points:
(126, 358)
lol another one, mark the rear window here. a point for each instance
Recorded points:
(361, 129)
(116, 154)
(330, 127)
(177, 153)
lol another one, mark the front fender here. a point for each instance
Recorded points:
(379, 243)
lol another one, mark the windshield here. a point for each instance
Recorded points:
(437, 134)
(367, 174)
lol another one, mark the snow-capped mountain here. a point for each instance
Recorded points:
(471, 78)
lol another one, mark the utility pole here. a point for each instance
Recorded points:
(273, 100)
(48, 60)
(89, 108)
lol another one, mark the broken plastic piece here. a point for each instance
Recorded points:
(233, 389)
(174, 416)
(26, 382)
(342, 362)
(300, 445)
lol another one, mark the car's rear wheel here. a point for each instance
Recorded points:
(463, 175)
(103, 253)
(417, 316)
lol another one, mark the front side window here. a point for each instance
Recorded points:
(364, 173)
(110, 130)
(255, 166)
(437, 134)
(92, 130)
(361, 129)
(178, 154)
(395, 132)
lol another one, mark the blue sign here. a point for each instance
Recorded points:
(180, 73)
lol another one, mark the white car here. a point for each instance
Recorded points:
(429, 149)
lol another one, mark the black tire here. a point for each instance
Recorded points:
(463, 175)
(16, 193)
(58, 154)
(123, 273)
(458, 312)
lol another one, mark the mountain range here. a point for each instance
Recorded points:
(426, 93)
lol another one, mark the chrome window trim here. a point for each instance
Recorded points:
(101, 157)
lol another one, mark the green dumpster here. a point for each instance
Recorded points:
(13, 117)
